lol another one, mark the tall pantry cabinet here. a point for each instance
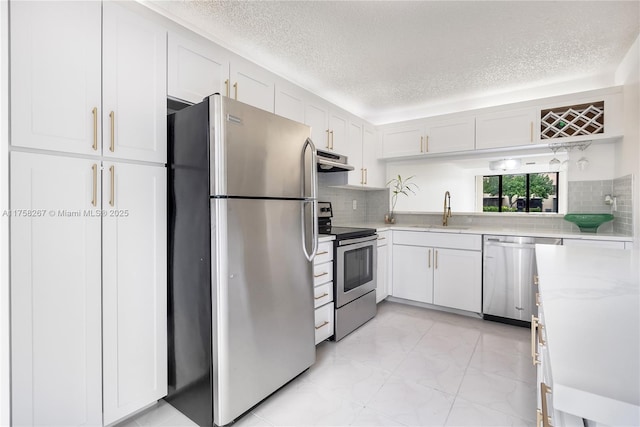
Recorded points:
(88, 199)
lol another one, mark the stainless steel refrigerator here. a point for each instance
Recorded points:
(242, 236)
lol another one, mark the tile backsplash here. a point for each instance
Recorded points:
(584, 196)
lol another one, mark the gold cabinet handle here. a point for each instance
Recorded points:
(541, 340)
(112, 116)
(421, 142)
(94, 197)
(226, 87)
(321, 296)
(331, 133)
(426, 144)
(536, 280)
(325, 323)
(544, 390)
(322, 253)
(95, 128)
(112, 172)
(362, 176)
(537, 299)
(324, 273)
(538, 417)
(531, 132)
(381, 238)
(436, 259)
(328, 140)
(429, 258)
(366, 176)
(235, 91)
(534, 328)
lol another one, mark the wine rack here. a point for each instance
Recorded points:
(573, 120)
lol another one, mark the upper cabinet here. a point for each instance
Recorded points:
(134, 101)
(289, 101)
(56, 84)
(374, 169)
(251, 84)
(195, 69)
(403, 140)
(430, 136)
(55, 76)
(508, 128)
(449, 135)
(316, 115)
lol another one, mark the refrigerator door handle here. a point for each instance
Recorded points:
(314, 200)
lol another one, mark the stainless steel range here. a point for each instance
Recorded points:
(355, 260)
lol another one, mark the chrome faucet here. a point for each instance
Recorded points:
(447, 209)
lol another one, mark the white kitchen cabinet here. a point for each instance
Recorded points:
(55, 291)
(316, 115)
(374, 169)
(339, 132)
(323, 291)
(403, 141)
(449, 135)
(289, 101)
(382, 288)
(195, 69)
(413, 273)
(134, 303)
(605, 244)
(251, 84)
(57, 82)
(510, 128)
(55, 76)
(438, 268)
(353, 150)
(457, 279)
(134, 110)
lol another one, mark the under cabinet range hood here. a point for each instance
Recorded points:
(332, 162)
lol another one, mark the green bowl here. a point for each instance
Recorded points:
(588, 222)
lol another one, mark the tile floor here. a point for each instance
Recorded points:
(407, 367)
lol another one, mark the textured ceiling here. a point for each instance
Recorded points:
(383, 59)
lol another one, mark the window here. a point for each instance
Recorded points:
(531, 192)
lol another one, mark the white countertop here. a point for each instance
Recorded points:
(509, 231)
(591, 305)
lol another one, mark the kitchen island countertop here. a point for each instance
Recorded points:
(591, 304)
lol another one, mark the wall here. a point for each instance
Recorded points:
(5, 383)
(628, 154)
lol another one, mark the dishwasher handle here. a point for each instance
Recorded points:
(510, 245)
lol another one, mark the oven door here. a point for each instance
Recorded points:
(356, 261)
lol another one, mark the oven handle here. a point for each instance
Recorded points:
(358, 240)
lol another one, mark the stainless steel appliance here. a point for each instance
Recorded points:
(242, 234)
(354, 276)
(328, 161)
(509, 266)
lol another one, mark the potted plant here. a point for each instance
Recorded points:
(398, 186)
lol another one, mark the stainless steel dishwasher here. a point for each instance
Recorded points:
(509, 266)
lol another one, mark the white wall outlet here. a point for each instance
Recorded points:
(355, 204)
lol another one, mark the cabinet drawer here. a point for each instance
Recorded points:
(441, 240)
(324, 322)
(325, 252)
(322, 294)
(322, 273)
(383, 237)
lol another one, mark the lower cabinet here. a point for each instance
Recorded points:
(323, 291)
(134, 295)
(437, 268)
(88, 289)
(382, 287)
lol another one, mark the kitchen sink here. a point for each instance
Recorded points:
(440, 227)
(588, 222)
